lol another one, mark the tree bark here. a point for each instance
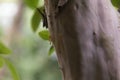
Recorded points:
(85, 35)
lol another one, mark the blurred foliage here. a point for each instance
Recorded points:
(34, 62)
(44, 34)
(37, 18)
(12, 70)
(51, 50)
(30, 52)
(3, 51)
(116, 3)
(35, 21)
(32, 3)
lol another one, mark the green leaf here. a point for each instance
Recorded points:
(31, 3)
(4, 49)
(51, 50)
(116, 3)
(44, 34)
(36, 20)
(12, 70)
(1, 62)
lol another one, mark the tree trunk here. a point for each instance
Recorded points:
(85, 36)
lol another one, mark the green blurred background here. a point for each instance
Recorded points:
(29, 51)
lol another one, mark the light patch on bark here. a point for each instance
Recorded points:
(62, 2)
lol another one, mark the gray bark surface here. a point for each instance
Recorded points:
(85, 35)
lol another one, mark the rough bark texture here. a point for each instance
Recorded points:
(85, 36)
